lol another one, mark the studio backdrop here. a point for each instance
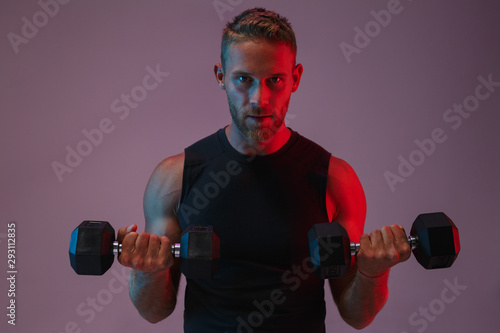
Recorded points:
(94, 94)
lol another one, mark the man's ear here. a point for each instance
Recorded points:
(296, 75)
(219, 75)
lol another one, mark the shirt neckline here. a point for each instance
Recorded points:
(255, 158)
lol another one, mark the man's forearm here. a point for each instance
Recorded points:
(363, 299)
(154, 294)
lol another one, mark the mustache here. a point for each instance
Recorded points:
(257, 111)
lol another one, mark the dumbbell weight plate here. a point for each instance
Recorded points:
(438, 240)
(90, 252)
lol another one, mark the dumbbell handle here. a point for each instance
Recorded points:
(412, 240)
(176, 249)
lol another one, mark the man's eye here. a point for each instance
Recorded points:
(243, 78)
(276, 79)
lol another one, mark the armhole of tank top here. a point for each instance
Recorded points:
(185, 174)
(188, 163)
(325, 191)
(322, 167)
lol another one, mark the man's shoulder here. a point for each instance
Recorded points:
(309, 152)
(171, 163)
(336, 166)
(306, 143)
(340, 169)
(164, 187)
(169, 170)
(204, 149)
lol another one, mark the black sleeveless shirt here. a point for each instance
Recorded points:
(262, 208)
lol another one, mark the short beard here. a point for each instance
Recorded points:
(260, 135)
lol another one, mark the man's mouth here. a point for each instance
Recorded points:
(260, 116)
(261, 119)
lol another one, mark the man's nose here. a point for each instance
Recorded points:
(260, 96)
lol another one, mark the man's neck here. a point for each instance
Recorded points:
(248, 147)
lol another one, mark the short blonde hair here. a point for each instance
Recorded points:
(257, 23)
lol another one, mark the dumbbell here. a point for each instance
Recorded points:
(433, 240)
(93, 247)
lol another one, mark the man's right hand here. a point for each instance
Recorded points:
(145, 252)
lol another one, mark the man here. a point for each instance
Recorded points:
(262, 186)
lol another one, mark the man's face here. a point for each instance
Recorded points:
(259, 78)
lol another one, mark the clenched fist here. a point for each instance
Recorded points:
(145, 252)
(382, 249)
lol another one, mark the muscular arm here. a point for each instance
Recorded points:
(358, 297)
(154, 280)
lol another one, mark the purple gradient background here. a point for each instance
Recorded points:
(367, 112)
